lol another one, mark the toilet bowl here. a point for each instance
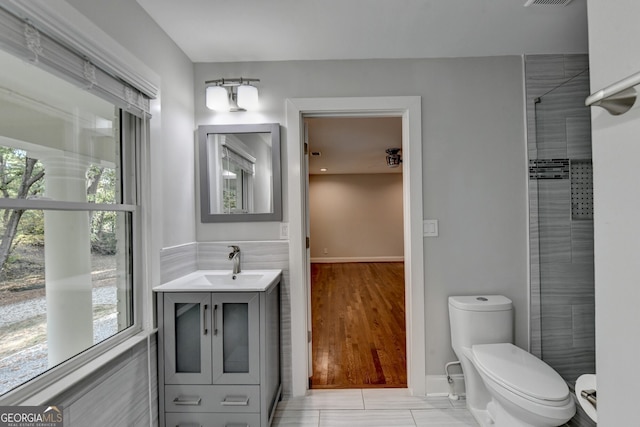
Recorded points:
(505, 385)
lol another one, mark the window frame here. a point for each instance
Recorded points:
(131, 141)
(65, 29)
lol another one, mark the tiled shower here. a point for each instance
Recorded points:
(561, 215)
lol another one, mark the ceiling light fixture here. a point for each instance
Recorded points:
(236, 94)
(393, 157)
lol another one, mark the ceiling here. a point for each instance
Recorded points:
(276, 30)
(279, 30)
(352, 145)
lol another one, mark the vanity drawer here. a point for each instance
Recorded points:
(174, 419)
(212, 398)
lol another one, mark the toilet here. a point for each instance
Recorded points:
(505, 385)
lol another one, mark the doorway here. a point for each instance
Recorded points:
(298, 299)
(356, 250)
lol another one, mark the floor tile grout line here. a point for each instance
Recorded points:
(415, 423)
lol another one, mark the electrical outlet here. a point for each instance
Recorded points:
(326, 251)
(284, 230)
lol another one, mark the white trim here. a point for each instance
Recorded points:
(61, 205)
(409, 108)
(339, 260)
(63, 22)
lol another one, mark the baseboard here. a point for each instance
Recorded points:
(437, 385)
(338, 260)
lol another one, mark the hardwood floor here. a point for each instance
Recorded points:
(358, 325)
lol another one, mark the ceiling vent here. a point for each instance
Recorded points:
(547, 3)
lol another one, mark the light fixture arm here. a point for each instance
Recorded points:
(232, 82)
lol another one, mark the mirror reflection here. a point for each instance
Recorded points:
(240, 173)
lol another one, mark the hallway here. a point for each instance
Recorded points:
(358, 315)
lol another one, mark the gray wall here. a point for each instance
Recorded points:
(172, 147)
(474, 167)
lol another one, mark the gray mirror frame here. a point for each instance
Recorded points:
(274, 130)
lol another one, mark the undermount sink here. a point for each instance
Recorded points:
(222, 280)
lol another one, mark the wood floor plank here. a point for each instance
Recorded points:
(358, 325)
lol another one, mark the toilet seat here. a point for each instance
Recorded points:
(521, 373)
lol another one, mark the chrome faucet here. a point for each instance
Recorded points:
(235, 257)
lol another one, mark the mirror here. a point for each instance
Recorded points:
(240, 173)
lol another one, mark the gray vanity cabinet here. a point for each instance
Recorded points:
(219, 358)
(187, 338)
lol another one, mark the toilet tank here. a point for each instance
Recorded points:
(480, 319)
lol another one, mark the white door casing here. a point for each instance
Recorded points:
(409, 108)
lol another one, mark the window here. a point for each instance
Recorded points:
(237, 175)
(68, 219)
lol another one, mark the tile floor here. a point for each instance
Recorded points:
(371, 408)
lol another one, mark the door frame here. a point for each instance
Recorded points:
(409, 108)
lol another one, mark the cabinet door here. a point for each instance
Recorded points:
(236, 338)
(187, 337)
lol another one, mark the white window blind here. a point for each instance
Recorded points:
(244, 163)
(21, 38)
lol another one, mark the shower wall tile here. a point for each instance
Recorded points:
(574, 64)
(584, 331)
(555, 246)
(557, 321)
(569, 338)
(582, 231)
(554, 210)
(579, 137)
(572, 364)
(567, 284)
(545, 66)
(582, 252)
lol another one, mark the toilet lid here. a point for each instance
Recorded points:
(520, 371)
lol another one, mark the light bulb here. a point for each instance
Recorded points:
(247, 97)
(217, 98)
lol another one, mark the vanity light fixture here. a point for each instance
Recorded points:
(236, 94)
(393, 157)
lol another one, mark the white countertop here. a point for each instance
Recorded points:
(222, 281)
